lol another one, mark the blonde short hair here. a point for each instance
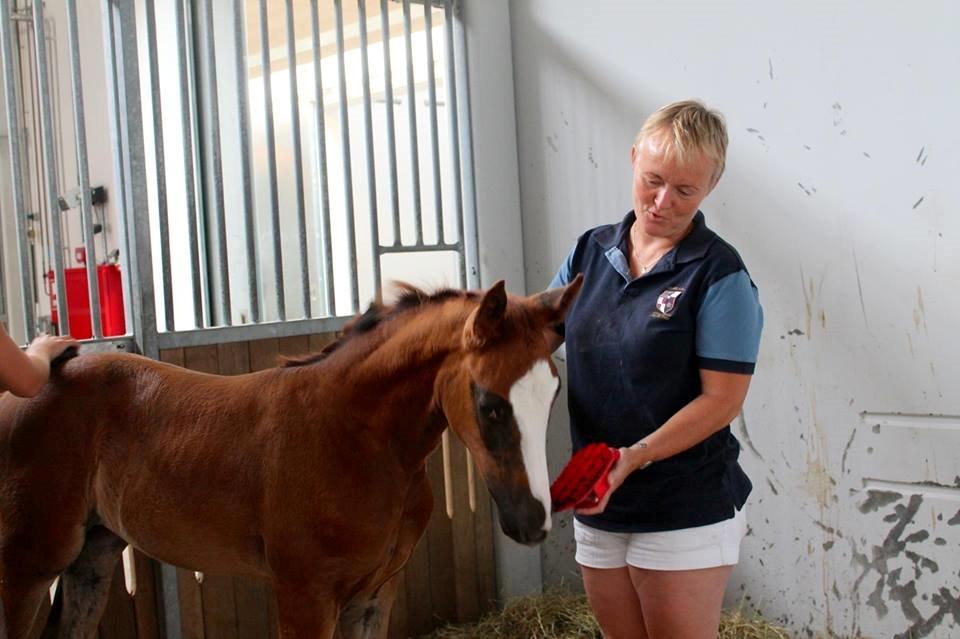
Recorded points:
(689, 127)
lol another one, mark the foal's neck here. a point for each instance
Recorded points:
(393, 376)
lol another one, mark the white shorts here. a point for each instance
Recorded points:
(685, 549)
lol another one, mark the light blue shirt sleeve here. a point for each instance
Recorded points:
(565, 274)
(730, 320)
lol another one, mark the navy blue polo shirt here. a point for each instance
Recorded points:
(635, 347)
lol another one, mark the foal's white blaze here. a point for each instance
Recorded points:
(532, 396)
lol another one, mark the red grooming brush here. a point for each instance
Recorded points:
(583, 481)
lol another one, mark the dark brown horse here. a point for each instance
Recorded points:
(311, 474)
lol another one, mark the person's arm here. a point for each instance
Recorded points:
(717, 405)
(24, 373)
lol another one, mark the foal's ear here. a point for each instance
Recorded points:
(553, 303)
(483, 325)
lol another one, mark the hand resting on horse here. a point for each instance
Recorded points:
(24, 373)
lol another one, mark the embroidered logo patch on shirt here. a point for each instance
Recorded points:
(667, 302)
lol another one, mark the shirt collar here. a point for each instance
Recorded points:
(614, 240)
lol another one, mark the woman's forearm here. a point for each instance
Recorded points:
(718, 404)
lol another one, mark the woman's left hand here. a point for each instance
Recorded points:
(617, 475)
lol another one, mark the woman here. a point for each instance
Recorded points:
(661, 344)
(24, 373)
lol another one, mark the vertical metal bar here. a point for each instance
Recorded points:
(56, 105)
(191, 38)
(133, 218)
(371, 167)
(243, 115)
(347, 171)
(43, 216)
(391, 133)
(46, 133)
(460, 102)
(160, 161)
(272, 161)
(298, 160)
(79, 123)
(186, 122)
(412, 123)
(38, 204)
(325, 266)
(223, 270)
(14, 128)
(112, 58)
(452, 118)
(434, 135)
(127, 136)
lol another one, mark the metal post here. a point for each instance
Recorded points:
(298, 160)
(371, 167)
(213, 125)
(454, 125)
(325, 243)
(12, 95)
(160, 163)
(391, 133)
(133, 218)
(243, 115)
(50, 169)
(79, 123)
(272, 161)
(412, 123)
(186, 122)
(434, 135)
(470, 238)
(347, 172)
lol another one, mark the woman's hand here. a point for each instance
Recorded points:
(630, 460)
(47, 347)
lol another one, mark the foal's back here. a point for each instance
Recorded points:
(126, 441)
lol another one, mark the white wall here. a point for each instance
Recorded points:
(843, 161)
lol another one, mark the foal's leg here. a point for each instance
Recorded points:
(304, 613)
(85, 587)
(368, 616)
(21, 604)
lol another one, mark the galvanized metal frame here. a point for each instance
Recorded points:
(121, 52)
(12, 97)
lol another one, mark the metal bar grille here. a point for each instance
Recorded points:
(244, 163)
(50, 169)
(83, 170)
(298, 162)
(13, 98)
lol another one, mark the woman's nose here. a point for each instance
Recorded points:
(662, 199)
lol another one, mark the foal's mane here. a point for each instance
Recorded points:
(411, 299)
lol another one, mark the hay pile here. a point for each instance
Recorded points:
(557, 615)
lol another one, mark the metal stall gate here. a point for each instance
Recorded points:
(214, 183)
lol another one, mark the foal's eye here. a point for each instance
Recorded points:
(494, 410)
(496, 413)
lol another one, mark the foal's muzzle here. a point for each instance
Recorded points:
(523, 519)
